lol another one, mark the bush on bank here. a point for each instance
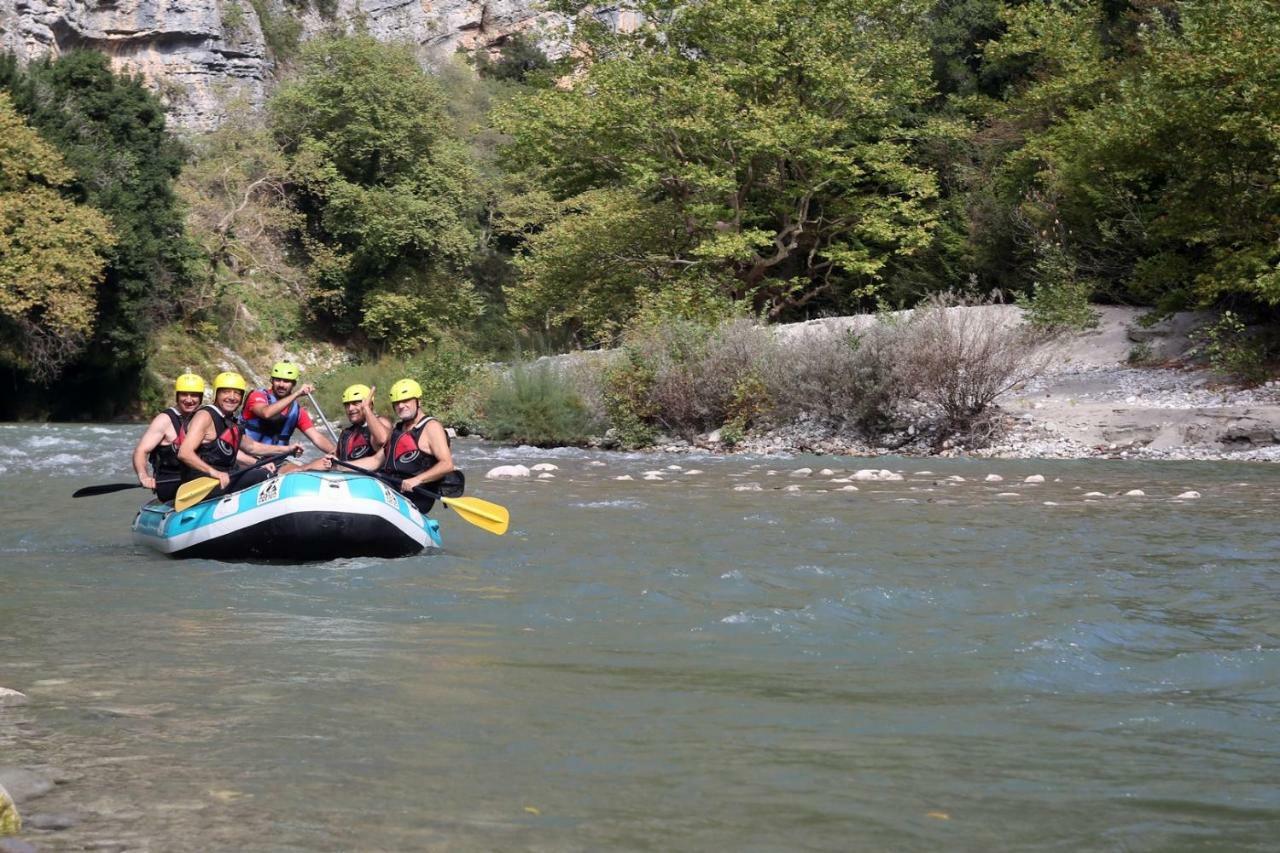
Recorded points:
(940, 367)
(533, 404)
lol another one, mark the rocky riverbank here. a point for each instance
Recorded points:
(1090, 401)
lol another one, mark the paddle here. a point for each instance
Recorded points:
(327, 425)
(483, 514)
(108, 488)
(197, 490)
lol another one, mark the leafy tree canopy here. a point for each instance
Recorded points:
(111, 133)
(52, 254)
(1152, 160)
(769, 138)
(387, 191)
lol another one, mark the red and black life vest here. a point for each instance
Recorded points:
(354, 443)
(403, 455)
(221, 452)
(164, 457)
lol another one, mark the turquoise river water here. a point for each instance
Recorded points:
(683, 663)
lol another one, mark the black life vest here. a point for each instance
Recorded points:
(275, 430)
(164, 457)
(221, 452)
(354, 443)
(403, 456)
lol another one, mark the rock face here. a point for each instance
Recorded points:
(200, 56)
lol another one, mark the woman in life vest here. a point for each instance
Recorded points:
(272, 414)
(215, 439)
(415, 451)
(159, 444)
(356, 441)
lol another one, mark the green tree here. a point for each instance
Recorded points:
(769, 136)
(1149, 167)
(52, 254)
(111, 132)
(388, 193)
(240, 213)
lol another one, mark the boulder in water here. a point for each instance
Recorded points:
(506, 472)
(12, 698)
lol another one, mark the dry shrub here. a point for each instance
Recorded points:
(697, 372)
(840, 380)
(958, 356)
(687, 377)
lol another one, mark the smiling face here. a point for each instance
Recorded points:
(228, 399)
(282, 387)
(189, 401)
(355, 414)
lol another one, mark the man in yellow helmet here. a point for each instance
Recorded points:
(272, 414)
(216, 439)
(159, 444)
(356, 441)
(415, 451)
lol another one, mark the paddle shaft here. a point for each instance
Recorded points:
(327, 425)
(388, 480)
(108, 488)
(197, 490)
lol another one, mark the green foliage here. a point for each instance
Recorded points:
(281, 32)
(519, 60)
(1059, 299)
(768, 139)
(1233, 351)
(52, 254)
(408, 315)
(534, 405)
(1152, 148)
(233, 17)
(111, 133)
(587, 262)
(627, 385)
(387, 192)
(686, 377)
(239, 213)
(445, 371)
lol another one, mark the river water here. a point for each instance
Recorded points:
(674, 664)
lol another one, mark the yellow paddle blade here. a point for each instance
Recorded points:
(483, 514)
(193, 492)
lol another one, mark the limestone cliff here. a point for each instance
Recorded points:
(200, 55)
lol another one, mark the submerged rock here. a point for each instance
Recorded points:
(545, 466)
(1135, 493)
(1034, 478)
(994, 478)
(1189, 496)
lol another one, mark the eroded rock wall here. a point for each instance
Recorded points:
(202, 55)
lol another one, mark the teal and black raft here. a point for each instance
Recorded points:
(300, 516)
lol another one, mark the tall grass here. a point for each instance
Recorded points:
(534, 404)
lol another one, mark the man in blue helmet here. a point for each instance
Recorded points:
(272, 414)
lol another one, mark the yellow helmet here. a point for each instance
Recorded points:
(285, 370)
(229, 379)
(405, 389)
(355, 394)
(189, 383)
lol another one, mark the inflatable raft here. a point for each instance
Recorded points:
(301, 516)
